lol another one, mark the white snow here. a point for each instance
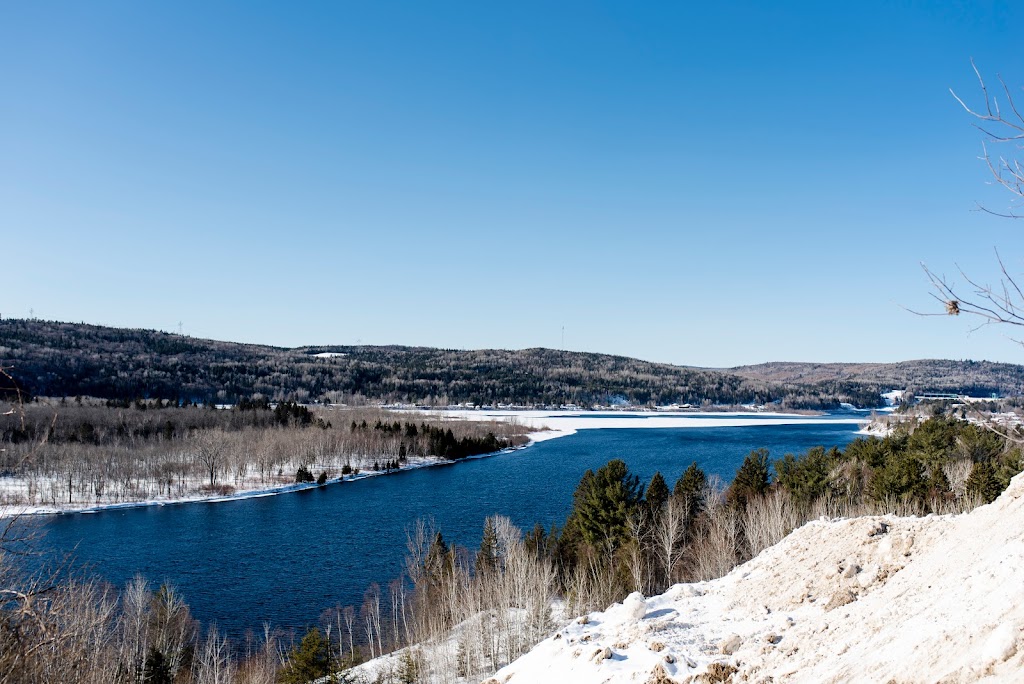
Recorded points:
(871, 599)
(893, 397)
(250, 489)
(552, 424)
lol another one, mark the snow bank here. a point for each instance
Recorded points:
(893, 397)
(871, 599)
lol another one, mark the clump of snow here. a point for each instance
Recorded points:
(635, 606)
(882, 427)
(893, 397)
(868, 599)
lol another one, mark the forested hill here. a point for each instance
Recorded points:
(68, 359)
(974, 378)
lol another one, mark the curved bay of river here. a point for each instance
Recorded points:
(285, 559)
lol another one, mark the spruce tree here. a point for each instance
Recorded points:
(982, 482)
(809, 476)
(900, 477)
(690, 489)
(603, 502)
(537, 541)
(308, 661)
(752, 479)
(487, 556)
(657, 492)
(438, 563)
(156, 669)
(409, 667)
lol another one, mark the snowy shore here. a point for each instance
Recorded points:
(553, 424)
(544, 425)
(240, 494)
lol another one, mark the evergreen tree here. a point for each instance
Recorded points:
(808, 477)
(938, 483)
(409, 667)
(752, 479)
(983, 483)
(438, 564)
(308, 661)
(487, 556)
(156, 669)
(538, 542)
(1007, 466)
(657, 492)
(603, 502)
(901, 477)
(690, 489)
(932, 441)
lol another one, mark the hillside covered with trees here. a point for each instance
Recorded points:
(49, 358)
(974, 378)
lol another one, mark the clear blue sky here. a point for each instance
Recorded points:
(707, 184)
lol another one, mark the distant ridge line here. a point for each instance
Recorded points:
(56, 358)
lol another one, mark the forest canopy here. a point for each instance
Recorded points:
(69, 359)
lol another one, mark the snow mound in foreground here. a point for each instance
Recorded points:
(872, 599)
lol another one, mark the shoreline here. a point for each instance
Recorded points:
(569, 422)
(555, 424)
(8, 511)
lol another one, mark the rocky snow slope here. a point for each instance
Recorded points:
(879, 599)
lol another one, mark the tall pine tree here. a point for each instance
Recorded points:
(982, 482)
(657, 492)
(752, 479)
(690, 489)
(487, 556)
(603, 502)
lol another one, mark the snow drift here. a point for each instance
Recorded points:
(872, 599)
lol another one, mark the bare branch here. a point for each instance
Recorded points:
(1000, 128)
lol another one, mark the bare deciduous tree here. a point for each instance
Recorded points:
(214, 664)
(209, 452)
(668, 537)
(1000, 124)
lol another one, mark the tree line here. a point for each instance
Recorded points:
(66, 359)
(84, 452)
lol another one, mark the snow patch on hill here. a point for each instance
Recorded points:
(871, 599)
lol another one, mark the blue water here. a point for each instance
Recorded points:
(285, 559)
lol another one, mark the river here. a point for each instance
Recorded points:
(285, 559)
